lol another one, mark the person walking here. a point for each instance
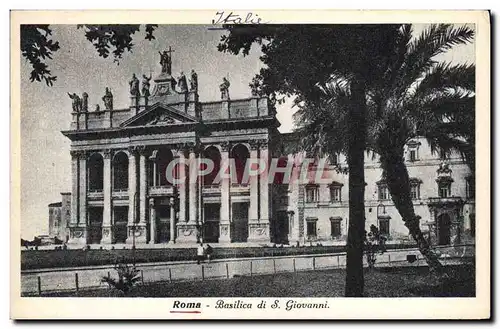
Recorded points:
(209, 250)
(200, 253)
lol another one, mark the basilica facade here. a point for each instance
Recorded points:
(120, 193)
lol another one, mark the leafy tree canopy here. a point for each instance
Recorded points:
(299, 57)
(37, 45)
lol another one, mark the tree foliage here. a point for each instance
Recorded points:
(37, 45)
(299, 57)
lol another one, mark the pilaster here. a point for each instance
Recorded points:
(225, 217)
(107, 232)
(188, 231)
(152, 221)
(172, 221)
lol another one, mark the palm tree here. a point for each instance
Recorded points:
(421, 97)
(296, 58)
(415, 96)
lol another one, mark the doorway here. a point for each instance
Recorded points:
(95, 225)
(444, 234)
(120, 221)
(281, 228)
(162, 224)
(211, 213)
(239, 230)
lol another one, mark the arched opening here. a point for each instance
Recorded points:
(240, 154)
(120, 171)
(444, 234)
(95, 167)
(161, 159)
(211, 153)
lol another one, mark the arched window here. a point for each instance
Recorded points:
(95, 167)
(240, 155)
(211, 153)
(120, 171)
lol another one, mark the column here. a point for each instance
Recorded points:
(141, 231)
(77, 234)
(187, 228)
(132, 191)
(75, 157)
(172, 221)
(107, 232)
(82, 220)
(254, 187)
(225, 217)
(181, 187)
(152, 221)
(264, 185)
(143, 186)
(259, 232)
(193, 176)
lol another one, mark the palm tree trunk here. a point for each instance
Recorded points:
(357, 141)
(398, 182)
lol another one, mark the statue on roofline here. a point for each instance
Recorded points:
(134, 86)
(108, 99)
(85, 102)
(166, 61)
(145, 85)
(182, 83)
(77, 102)
(224, 88)
(194, 81)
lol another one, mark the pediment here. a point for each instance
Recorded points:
(159, 115)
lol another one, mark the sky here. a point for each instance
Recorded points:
(46, 111)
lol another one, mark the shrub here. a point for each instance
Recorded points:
(374, 244)
(128, 276)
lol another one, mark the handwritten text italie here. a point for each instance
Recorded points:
(232, 18)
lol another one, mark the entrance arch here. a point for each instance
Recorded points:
(444, 231)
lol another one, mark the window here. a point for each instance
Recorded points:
(470, 187)
(413, 155)
(444, 189)
(383, 226)
(383, 192)
(311, 227)
(336, 227)
(312, 194)
(334, 159)
(335, 192)
(415, 188)
(413, 146)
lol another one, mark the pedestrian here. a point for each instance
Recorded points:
(200, 253)
(209, 250)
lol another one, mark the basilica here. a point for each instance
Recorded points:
(121, 195)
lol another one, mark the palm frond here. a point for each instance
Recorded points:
(433, 41)
(444, 76)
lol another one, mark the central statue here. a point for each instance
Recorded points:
(166, 61)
